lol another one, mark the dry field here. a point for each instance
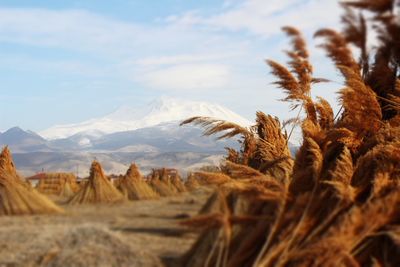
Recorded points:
(135, 233)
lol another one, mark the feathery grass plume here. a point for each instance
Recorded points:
(338, 164)
(348, 235)
(287, 81)
(356, 32)
(98, 189)
(213, 126)
(345, 173)
(383, 159)
(359, 102)
(382, 72)
(307, 167)
(272, 155)
(133, 187)
(228, 130)
(299, 62)
(240, 171)
(16, 197)
(59, 184)
(325, 114)
(211, 178)
(379, 6)
(338, 50)
(386, 135)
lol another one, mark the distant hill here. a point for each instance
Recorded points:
(155, 140)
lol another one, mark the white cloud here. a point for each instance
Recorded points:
(182, 59)
(220, 54)
(265, 18)
(185, 77)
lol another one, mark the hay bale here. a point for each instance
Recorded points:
(191, 183)
(134, 187)
(16, 197)
(177, 182)
(59, 184)
(98, 189)
(160, 186)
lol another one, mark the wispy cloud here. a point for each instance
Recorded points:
(219, 52)
(185, 77)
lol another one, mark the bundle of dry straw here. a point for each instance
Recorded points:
(16, 197)
(59, 184)
(134, 187)
(161, 183)
(98, 189)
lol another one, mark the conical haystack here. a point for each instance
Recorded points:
(176, 181)
(161, 186)
(98, 189)
(134, 187)
(7, 164)
(59, 184)
(16, 197)
(191, 183)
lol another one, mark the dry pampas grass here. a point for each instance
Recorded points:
(16, 197)
(338, 203)
(134, 187)
(98, 189)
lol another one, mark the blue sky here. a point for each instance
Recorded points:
(68, 61)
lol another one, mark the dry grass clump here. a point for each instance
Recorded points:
(98, 189)
(16, 197)
(211, 178)
(338, 204)
(133, 187)
(60, 184)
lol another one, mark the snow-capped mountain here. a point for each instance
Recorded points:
(162, 110)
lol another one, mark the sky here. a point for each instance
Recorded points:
(69, 61)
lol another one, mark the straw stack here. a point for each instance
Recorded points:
(160, 183)
(191, 183)
(134, 187)
(16, 197)
(59, 184)
(98, 189)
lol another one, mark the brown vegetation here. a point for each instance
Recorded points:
(133, 187)
(16, 196)
(59, 184)
(338, 204)
(98, 189)
(166, 182)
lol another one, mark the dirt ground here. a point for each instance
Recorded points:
(140, 233)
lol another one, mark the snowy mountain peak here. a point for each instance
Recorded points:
(161, 110)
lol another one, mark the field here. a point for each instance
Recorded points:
(335, 203)
(141, 233)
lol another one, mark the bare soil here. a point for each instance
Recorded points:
(139, 233)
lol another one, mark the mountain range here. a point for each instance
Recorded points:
(149, 135)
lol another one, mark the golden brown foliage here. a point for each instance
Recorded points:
(133, 187)
(16, 197)
(339, 205)
(59, 184)
(98, 189)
